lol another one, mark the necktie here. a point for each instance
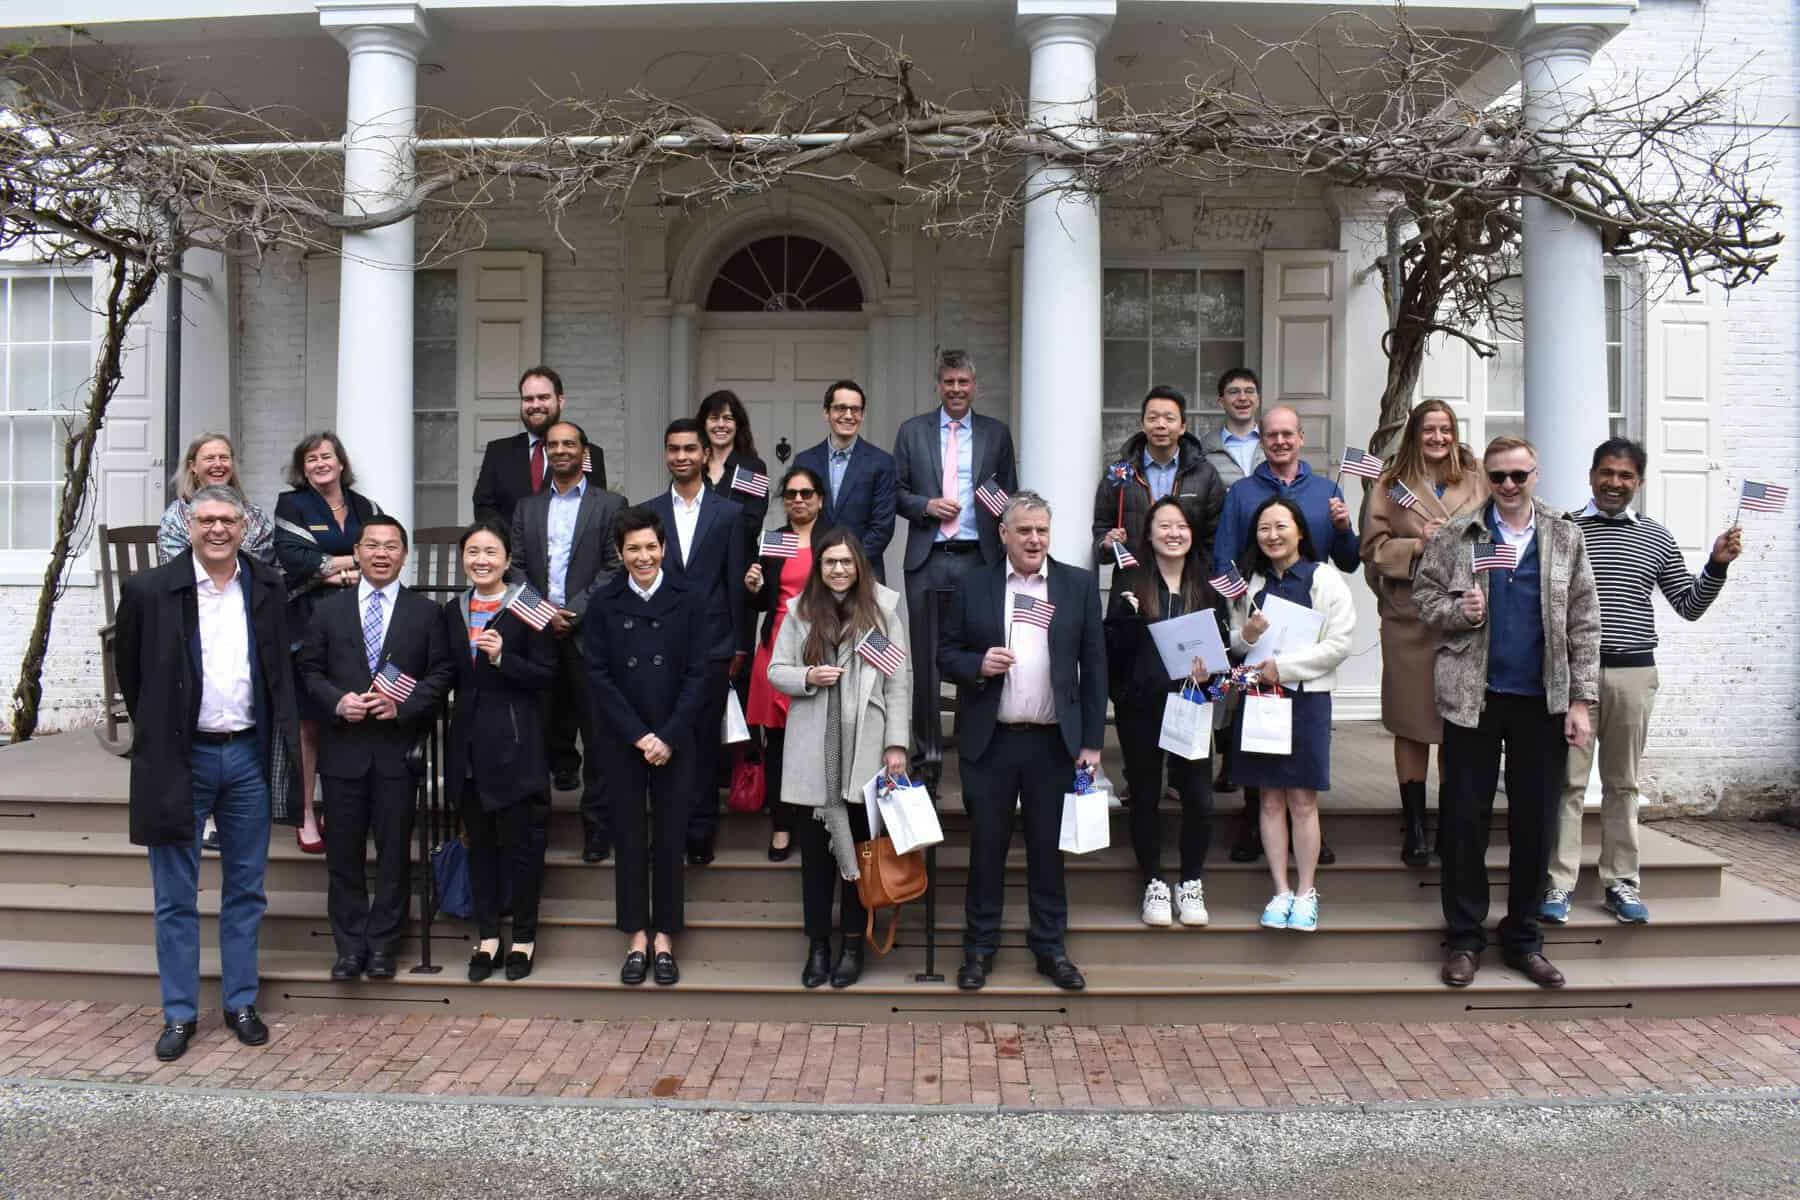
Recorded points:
(951, 491)
(372, 630)
(537, 466)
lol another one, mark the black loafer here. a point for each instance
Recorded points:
(249, 1027)
(481, 965)
(566, 781)
(780, 853)
(699, 853)
(596, 852)
(518, 966)
(348, 966)
(1063, 973)
(381, 966)
(1327, 855)
(174, 1040)
(818, 964)
(637, 966)
(849, 967)
(972, 975)
(665, 970)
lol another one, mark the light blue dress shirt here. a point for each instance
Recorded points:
(564, 508)
(1241, 447)
(1160, 478)
(965, 472)
(836, 465)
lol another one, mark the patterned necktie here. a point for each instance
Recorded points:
(951, 489)
(537, 466)
(372, 630)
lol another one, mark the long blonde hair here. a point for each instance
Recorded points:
(1409, 460)
(186, 483)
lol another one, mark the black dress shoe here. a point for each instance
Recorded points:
(174, 1040)
(972, 975)
(481, 965)
(249, 1027)
(211, 840)
(1327, 855)
(381, 966)
(636, 967)
(1063, 973)
(818, 964)
(664, 969)
(348, 966)
(849, 964)
(780, 853)
(518, 966)
(566, 781)
(699, 853)
(595, 852)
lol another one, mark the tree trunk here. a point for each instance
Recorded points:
(129, 288)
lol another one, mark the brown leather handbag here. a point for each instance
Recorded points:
(887, 880)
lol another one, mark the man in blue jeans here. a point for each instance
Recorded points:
(203, 660)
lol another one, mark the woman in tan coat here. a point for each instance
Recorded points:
(1431, 479)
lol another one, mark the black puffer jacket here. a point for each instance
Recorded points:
(1197, 486)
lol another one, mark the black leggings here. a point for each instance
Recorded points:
(1139, 728)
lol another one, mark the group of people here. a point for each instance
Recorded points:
(265, 652)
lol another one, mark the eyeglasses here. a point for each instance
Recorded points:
(1496, 478)
(837, 564)
(799, 493)
(846, 410)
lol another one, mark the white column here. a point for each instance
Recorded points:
(375, 306)
(1565, 301)
(1059, 344)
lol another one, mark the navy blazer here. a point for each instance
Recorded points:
(919, 477)
(975, 622)
(646, 660)
(714, 570)
(756, 508)
(865, 503)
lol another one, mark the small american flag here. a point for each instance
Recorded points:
(1360, 462)
(394, 683)
(1123, 557)
(751, 483)
(532, 608)
(779, 544)
(1403, 496)
(587, 461)
(1495, 556)
(880, 652)
(1119, 473)
(1033, 611)
(992, 496)
(1229, 583)
(1763, 497)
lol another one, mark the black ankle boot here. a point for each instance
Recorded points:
(818, 964)
(1247, 846)
(1412, 807)
(849, 964)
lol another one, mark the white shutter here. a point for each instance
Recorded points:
(133, 474)
(500, 322)
(1684, 349)
(1304, 356)
(1455, 374)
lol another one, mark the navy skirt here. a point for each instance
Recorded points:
(1309, 766)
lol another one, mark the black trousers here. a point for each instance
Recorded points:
(503, 840)
(573, 712)
(783, 818)
(1139, 728)
(355, 808)
(1028, 764)
(649, 812)
(1536, 758)
(819, 877)
(708, 752)
(941, 569)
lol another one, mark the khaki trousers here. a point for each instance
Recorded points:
(1621, 722)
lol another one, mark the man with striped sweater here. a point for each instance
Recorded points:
(1629, 554)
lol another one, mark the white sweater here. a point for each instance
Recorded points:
(1315, 665)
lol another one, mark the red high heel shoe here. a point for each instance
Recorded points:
(306, 847)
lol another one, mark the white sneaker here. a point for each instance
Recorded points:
(1190, 902)
(1275, 913)
(1304, 916)
(1156, 903)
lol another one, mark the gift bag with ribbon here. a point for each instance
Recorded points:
(1268, 723)
(1085, 824)
(1187, 723)
(907, 814)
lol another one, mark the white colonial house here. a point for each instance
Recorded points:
(1069, 315)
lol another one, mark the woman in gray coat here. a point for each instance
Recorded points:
(852, 700)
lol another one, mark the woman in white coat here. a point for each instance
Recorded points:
(853, 702)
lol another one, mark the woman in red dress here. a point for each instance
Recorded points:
(784, 560)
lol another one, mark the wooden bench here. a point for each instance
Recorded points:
(438, 568)
(123, 553)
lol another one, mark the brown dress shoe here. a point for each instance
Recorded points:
(1537, 968)
(1459, 968)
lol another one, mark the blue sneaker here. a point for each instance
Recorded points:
(1275, 916)
(1555, 908)
(1622, 901)
(1304, 916)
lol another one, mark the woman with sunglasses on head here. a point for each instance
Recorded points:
(1431, 479)
(773, 581)
(859, 716)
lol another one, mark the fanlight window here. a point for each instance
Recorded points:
(785, 273)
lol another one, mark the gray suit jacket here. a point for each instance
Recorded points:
(593, 559)
(919, 476)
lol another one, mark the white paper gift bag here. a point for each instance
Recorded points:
(1187, 724)
(1086, 826)
(909, 816)
(1268, 724)
(732, 727)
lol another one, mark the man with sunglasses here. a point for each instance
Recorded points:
(858, 474)
(1510, 587)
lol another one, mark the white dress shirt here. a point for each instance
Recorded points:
(564, 508)
(1518, 539)
(1026, 697)
(687, 518)
(226, 703)
(389, 595)
(644, 593)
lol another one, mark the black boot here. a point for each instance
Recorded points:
(1412, 808)
(849, 964)
(1248, 845)
(818, 964)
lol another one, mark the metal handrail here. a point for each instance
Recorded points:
(931, 742)
(434, 824)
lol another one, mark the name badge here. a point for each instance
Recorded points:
(319, 528)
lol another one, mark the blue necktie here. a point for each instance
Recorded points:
(372, 630)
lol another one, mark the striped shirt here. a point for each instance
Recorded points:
(1629, 553)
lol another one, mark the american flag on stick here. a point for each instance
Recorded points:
(880, 652)
(394, 683)
(587, 461)
(1402, 495)
(751, 483)
(532, 608)
(992, 496)
(1763, 497)
(1360, 462)
(1495, 556)
(780, 544)
(1033, 611)
(1123, 557)
(1229, 583)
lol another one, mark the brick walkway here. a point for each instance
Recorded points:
(1763, 852)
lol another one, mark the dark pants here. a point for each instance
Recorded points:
(647, 841)
(703, 778)
(1029, 764)
(572, 711)
(941, 569)
(819, 877)
(783, 818)
(507, 830)
(1139, 728)
(1536, 758)
(355, 808)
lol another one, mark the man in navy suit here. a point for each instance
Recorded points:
(940, 459)
(1033, 700)
(859, 476)
(708, 557)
